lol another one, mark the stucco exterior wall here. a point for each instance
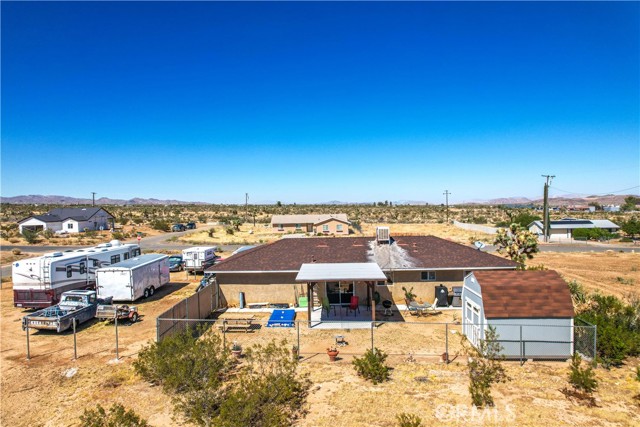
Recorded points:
(332, 226)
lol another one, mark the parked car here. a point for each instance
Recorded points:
(176, 263)
(178, 227)
(191, 226)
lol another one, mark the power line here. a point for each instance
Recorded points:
(603, 194)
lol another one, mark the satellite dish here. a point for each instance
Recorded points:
(479, 245)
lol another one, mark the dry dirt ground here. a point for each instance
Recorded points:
(52, 389)
(261, 233)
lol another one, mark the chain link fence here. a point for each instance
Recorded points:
(400, 340)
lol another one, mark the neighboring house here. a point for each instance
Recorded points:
(268, 272)
(71, 220)
(318, 224)
(563, 229)
(531, 311)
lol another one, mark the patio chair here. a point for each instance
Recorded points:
(412, 307)
(326, 306)
(354, 305)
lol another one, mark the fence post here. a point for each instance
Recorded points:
(595, 336)
(117, 352)
(75, 344)
(372, 347)
(298, 327)
(28, 350)
(186, 311)
(446, 342)
(224, 333)
(521, 347)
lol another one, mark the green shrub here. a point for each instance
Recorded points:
(408, 420)
(230, 231)
(30, 236)
(160, 224)
(118, 235)
(371, 366)
(485, 369)
(48, 234)
(591, 234)
(116, 417)
(578, 292)
(582, 379)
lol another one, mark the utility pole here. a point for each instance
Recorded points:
(246, 206)
(545, 207)
(446, 193)
(93, 198)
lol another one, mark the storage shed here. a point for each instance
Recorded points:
(531, 311)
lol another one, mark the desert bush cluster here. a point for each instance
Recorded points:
(210, 387)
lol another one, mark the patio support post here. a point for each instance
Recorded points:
(309, 303)
(371, 301)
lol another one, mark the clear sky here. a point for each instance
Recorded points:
(313, 102)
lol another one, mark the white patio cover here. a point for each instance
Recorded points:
(330, 272)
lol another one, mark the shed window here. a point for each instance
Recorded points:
(428, 276)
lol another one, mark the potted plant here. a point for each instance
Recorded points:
(332, 352)
(236, 350)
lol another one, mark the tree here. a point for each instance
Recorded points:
(630, 203)
(631, 227)
(518, 243)
(29, 235)
(485, 369)
(582, 379)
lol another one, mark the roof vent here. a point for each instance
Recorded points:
(116, 243)
(383, 235)
(56, 254)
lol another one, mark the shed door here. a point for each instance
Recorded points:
(472, 323)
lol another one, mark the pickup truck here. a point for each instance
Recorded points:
(80, 305)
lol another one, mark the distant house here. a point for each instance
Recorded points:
(531, 311)
(318, 224)
(70, 220)
(563, 229)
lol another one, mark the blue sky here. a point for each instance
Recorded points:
(312, 102)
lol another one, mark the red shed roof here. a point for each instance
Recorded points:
(524, 294)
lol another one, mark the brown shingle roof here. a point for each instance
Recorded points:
(424, 252)
(524, 294)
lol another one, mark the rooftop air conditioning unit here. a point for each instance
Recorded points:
(382, 235)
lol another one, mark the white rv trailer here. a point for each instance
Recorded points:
(38, 282)
(132, 279)
(199, 257)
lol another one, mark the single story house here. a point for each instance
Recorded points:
(268, 273)
(563, 229)
(70, 220)
(318, 224)
(531, 311)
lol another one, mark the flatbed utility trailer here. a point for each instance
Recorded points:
(80, 305)
(121, 312)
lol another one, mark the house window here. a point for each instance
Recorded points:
(339, 228)
(280, 227)
(70, 226)
(325, 228)
(69, 272)
(115, 259)
(428, 276)
(298, 227)
(83, 268)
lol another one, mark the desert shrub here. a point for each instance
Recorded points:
(578, 293)
(16, 251)
(230, 231)
(211, 232)
(539, 267)
(582, 379)
(160, 224)
(209, 388)
(371, 366)
(485, 369)
(124, 220)
(118, 235)
(30, 236)
(618, 327)
(116, 417)
(48, 234)
(138, 221)
(408, 420)
(90, 233)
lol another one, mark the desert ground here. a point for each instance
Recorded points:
(52, 389)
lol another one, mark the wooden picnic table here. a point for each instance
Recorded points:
(236, 323)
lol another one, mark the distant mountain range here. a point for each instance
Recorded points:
(609, 199)
(65, 200)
